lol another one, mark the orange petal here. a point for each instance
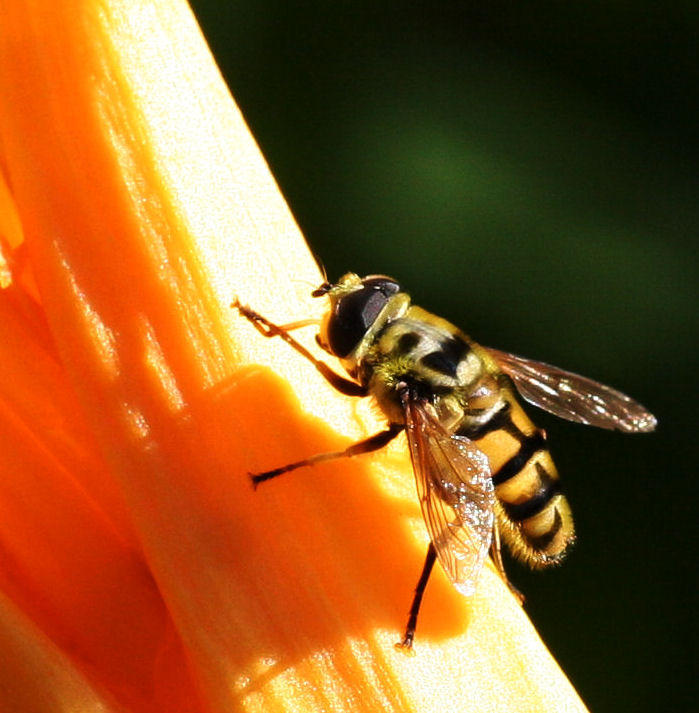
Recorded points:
(36, 675)
(146, 207)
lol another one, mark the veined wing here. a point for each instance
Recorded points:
(456, 494)
(574, 397)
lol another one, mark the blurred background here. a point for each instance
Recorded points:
(529, 171)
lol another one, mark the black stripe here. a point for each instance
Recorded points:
(498, 420)
(455, 348)
(514, 465)
(542, 542)
(407, 342)
(547, 490)
(439, 362)
(447, 358)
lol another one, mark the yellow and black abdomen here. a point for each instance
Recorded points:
(533, 515)
(472, 398)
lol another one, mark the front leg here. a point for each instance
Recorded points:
(269, 329)
(368, 445)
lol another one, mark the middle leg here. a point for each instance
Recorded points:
(406, 644)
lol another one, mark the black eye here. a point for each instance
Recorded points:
(355, 312)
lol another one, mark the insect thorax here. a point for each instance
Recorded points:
(436, 361)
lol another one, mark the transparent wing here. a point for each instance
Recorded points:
(574, 397)
(456, 494)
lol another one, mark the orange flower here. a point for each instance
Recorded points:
(138, 569)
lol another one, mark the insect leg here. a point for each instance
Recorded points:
(406, 645)
(269, 329)
(373, 443)
(496, 555)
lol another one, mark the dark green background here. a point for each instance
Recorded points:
(528, 170)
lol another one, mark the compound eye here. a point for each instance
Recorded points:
(355, 312)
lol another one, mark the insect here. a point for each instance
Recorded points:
(482, 468)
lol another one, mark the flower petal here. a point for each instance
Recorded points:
(146, 207)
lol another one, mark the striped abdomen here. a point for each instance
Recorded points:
(473, 399)
(533, 515)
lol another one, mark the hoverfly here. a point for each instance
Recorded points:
(483, 470)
